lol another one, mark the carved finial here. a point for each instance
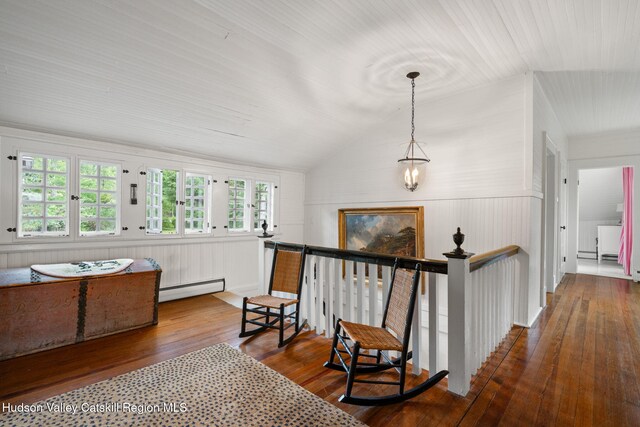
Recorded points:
(458, 252)
(458, 239)
(264, 234)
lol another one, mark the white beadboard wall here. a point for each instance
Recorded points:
(545, 125)
(476, 142)
(473, 138)
(488, 223)
(183, 260)
(545, 121)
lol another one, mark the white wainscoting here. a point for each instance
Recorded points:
(487, 223)
(183, 263)
(234, 261)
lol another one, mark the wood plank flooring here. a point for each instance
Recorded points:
(578, 365)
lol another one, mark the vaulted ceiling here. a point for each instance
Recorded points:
(285, 83)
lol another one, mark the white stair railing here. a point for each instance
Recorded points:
(344, 284)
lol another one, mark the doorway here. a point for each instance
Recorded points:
(600, 206)
(551, 248)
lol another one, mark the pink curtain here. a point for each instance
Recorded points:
(626, 245)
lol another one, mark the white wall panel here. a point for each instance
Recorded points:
(168, 256)
(600, 192)
(535, 298)
(545, 121)
(292, 198)
(293, 233)
(201, 262)
(292, 194)
(474, 139)
(23, 259)
(487, 224)
(241, 265)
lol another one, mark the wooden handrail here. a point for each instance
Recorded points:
(476, 262)
(430, 265)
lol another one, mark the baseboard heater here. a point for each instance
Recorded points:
(190, 285)
(587, 255)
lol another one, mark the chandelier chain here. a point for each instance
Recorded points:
(413, 107)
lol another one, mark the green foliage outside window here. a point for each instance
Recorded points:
(169, 215)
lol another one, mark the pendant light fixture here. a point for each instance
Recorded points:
(412, 166)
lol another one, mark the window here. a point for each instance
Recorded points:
(162, 201)
(250, 203)
(99, 198)
(196, 203)
(262, 205)
(43, 209)
(154, 201)
(238, 195)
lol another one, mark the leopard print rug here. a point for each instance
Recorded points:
(215, 386)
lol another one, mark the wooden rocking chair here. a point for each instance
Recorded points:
(397, 317)
(287, 275)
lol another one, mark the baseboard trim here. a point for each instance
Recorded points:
(245, 291)
(191, 290)
(532, 320)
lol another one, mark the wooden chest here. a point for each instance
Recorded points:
(39, 312)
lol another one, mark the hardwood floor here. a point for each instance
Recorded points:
(578, 365)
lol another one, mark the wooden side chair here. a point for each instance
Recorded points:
(287, 274)
(356, 338)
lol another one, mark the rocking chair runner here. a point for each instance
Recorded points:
(397, 317)
(287, 275)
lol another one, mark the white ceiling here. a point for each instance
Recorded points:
(600, 191)
(285, 83)
(594, 102)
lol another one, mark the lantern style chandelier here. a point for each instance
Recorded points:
(412, 166)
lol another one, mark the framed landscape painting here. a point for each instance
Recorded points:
(391, 231)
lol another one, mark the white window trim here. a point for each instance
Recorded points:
(247, 214)
(151, 173)
(207, 204)
(134, 215)
(20, 187)
(270, 203)
(250, 207)
(118, 197)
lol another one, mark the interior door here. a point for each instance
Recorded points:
(563, 217)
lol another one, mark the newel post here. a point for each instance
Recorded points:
(262, 238)
(459, 317)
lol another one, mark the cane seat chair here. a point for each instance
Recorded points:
(287, 274)
(393, 335)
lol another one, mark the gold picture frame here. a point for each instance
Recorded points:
(390, 231)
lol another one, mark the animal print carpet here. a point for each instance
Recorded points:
(215, 386)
